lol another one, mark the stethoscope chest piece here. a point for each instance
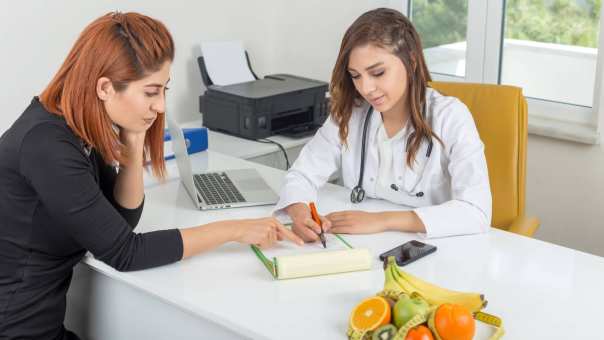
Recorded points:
(357, 194)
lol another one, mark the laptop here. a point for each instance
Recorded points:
(219, 189)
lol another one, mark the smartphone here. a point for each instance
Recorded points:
(408, 252)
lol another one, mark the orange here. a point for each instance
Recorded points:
(420, 332)
(454, 322)
(370, 314)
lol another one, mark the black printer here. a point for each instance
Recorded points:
(277, 104)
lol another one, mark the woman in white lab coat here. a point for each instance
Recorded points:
(422, 149)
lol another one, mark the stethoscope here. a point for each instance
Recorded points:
(358, 193)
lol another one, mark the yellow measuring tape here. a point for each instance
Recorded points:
(488, 319)
(492, 320)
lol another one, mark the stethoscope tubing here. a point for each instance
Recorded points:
(358, 193)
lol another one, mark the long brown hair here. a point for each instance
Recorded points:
(123, 47)
(391, 30)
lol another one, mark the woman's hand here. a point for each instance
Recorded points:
(263, 232)
(303, 224)
(134, 142)
(356, 222)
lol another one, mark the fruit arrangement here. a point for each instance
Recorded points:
(412, 309)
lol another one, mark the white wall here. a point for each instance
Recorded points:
(565, 189)
(565, 186)
(309, 33)
(35, 37)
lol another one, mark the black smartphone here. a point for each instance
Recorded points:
(408, 252)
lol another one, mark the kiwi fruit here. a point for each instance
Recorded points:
(386, 332)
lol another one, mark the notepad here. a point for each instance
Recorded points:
(287, 260)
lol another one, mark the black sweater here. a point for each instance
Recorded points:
(56, 203)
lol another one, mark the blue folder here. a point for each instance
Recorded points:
(195, 138)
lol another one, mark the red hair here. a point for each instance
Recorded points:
(123, 47)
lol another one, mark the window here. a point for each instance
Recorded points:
(547, 47)
(442, 24)
(550, 49)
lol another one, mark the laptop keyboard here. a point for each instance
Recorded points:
(217, 188)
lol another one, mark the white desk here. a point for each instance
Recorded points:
(541, 290)
(263, 153)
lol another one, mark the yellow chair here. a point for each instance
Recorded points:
(500, 113)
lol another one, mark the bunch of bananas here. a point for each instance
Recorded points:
(398, 281)
(410, 308)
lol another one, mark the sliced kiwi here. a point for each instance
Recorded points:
(386, 332)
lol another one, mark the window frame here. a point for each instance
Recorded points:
(484, 56)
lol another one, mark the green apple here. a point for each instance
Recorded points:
(407, 307)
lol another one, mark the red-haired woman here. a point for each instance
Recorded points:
(71, 170)
(394, 138)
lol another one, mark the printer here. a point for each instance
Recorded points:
(276, 104)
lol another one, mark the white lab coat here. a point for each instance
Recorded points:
(457, 196)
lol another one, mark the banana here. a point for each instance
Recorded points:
(437, 295)
(392, 289)
(474, 302)
(434, 294)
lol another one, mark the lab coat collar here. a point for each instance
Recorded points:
(399, 136)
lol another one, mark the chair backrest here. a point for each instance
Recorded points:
(500, 113)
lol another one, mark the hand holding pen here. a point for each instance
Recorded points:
(303, 224)
(317, 219)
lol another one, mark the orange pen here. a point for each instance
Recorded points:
(315, 216)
